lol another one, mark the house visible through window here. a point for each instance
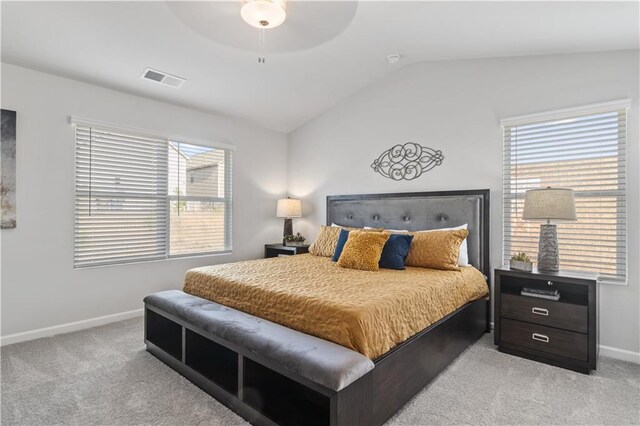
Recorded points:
(582, 149)
(140, 197)
(198, 203)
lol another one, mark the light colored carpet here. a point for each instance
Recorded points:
(104, 376)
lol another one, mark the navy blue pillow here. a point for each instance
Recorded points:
(395, 251)
(342, 240)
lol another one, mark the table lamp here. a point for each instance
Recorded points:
(287, 209)
(549, 204)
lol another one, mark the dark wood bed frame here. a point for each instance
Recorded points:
(267, 394)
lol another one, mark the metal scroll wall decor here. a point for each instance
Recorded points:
(407, 161)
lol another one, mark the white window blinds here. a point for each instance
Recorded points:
(141, 198)
(582, 150)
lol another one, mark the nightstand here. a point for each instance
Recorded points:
(275, 250)
(563, 333)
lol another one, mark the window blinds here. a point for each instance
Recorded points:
(141, 198)
(584, 151)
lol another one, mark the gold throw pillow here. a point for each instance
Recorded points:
(436, 249)
(326, 241)
(363, 250)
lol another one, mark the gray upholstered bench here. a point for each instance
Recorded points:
(251, 364)
(318, 360)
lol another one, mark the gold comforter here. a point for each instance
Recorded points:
(369, 312)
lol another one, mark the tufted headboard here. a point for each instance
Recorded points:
(417, 211)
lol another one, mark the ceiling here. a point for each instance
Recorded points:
(324, 52)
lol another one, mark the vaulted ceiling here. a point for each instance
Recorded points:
(323, 52)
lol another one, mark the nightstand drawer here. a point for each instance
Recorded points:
(545, 339)
(567, 316)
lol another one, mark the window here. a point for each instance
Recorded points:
(199, 210)
(141, 197)
(582, 149)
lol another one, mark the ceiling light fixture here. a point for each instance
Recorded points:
(263, 14)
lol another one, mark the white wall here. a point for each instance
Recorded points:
(40, 288)
(456, 106)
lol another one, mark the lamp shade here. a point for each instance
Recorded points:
(549, 204)
(289, 207)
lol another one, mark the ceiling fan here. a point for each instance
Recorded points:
(263, 14)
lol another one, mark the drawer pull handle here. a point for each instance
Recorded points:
(540, 337)
(549, 282)
(540, 311)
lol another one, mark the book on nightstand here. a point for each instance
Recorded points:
(550, 294)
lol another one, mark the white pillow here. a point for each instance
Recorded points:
(463, 258)
(389, 230)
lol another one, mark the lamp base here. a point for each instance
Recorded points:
(548, 258)
(288, 229)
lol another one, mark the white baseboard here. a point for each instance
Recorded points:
(608, 351)
(69, 327)
(621, 354)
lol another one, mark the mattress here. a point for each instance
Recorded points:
(369, 312)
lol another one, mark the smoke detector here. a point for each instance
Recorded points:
(393, 59)
(162, 78)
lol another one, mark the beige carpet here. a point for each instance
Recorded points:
(104, 376)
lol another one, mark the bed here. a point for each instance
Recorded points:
(411, 324)
(368, 312)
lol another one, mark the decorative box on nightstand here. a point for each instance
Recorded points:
(563, 333)
(275, 250)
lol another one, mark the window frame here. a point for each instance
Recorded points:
(559, 114)
(228, 199)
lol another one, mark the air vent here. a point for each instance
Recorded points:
(162, 77)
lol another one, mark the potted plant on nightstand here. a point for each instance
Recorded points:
(521, 262)
(294, 240)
